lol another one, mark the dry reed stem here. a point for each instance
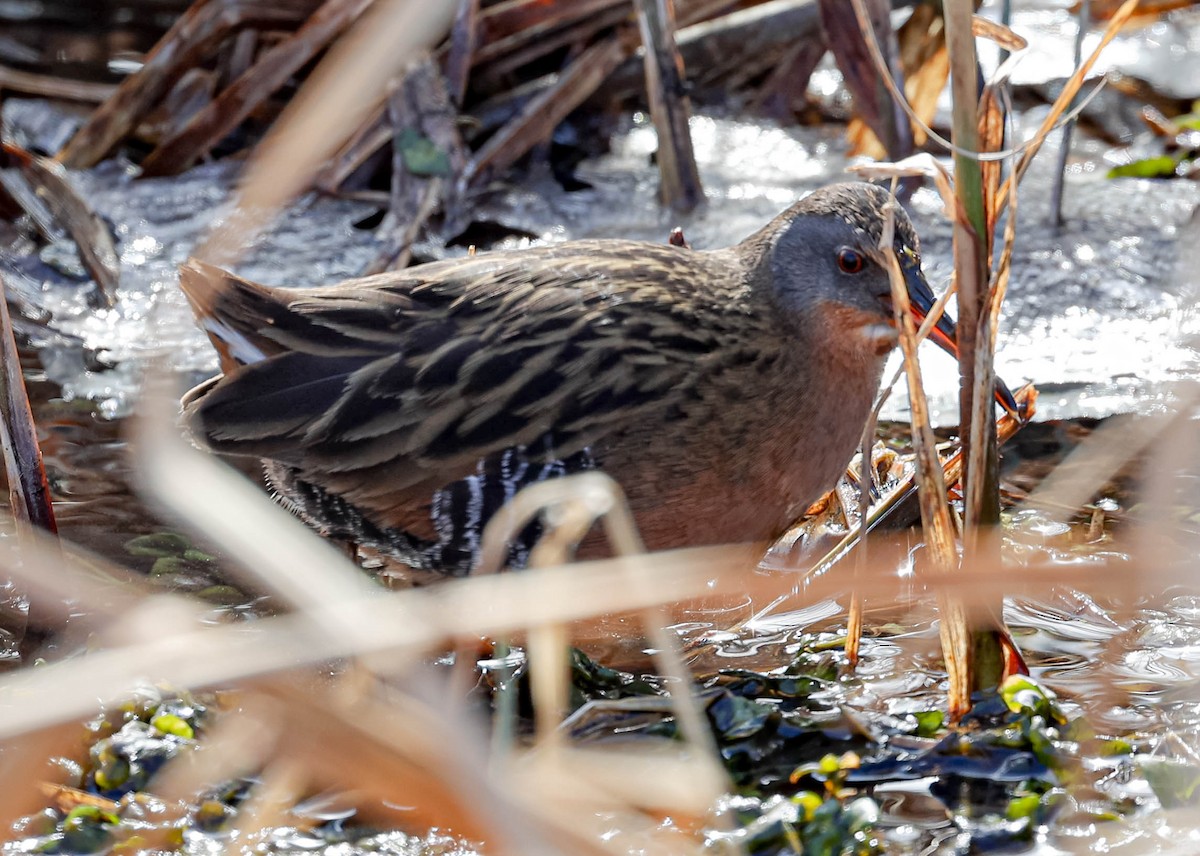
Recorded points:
(991, 139)
(337, 98)
(1070, 89)
(978, 126)
(988, 328)
(933, 502)
(881, 68)
(996, 32)
(935, 517)
(198, 657)
(866, 480)
(203, 657)
(971, 243)
(391, 626)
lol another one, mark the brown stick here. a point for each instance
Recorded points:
(670, 109)
(72, 212)
(854, 617)
(29, 491)
(47, 86)
(273, 69)
(192, 37)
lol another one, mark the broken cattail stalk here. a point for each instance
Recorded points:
(549, 662)
(669, 106)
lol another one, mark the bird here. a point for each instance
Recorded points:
(725, 390)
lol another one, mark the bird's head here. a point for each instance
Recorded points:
(826, 267)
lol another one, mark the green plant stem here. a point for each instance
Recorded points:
(971, 243)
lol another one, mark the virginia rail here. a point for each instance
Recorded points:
(725, 390)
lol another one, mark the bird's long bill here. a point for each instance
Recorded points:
(944, 332)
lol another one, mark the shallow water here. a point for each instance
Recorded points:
(1097, 316)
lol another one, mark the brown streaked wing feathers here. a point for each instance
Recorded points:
(412, 377)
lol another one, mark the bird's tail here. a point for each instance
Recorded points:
(235, 312)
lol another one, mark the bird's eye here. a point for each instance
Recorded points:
(850, 261)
